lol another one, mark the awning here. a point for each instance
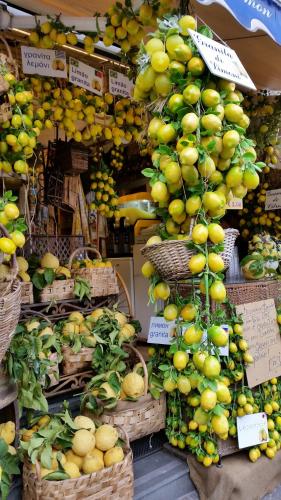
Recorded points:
(255, 15)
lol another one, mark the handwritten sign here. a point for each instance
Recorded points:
(273, 199)
(221, 60)
(160, 331)
(252, 430)
(120, 84)
(235, 204)
(262, 334)
(85, 76)
(43, 62)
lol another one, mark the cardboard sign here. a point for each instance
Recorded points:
(120, 84)
(160, 331)
(85, 76)
(252, 430)
(43, 62)
(273, 199)
(235, 204)
(221, 60)
(262, 334)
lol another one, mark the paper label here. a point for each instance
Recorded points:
(160, 331)
(43, 62)
(221, 60)
(85, 76)
(262, 334)
(252, 430)
(273, 199)
(235, 204)
(120, 84)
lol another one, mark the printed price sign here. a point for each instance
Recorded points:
(252, 430)
(273, 199)
(120, 84)
(43, 62)
(262, 334)
(235, 204)
(160, 331)
(221, 60)
(85, 76)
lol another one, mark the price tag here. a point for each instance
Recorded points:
(160, 331)
(221, 60)
(235, 204)
(273, 199)
(252, 430)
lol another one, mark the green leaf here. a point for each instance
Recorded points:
(148, 172)
(49, 275)
(46, 456)
(38, 281)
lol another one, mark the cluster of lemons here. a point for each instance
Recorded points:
(117, 157)
(254, 217)
(10, 219)
(201, 159)
(19, 133)
(53, 32)
(106, 199)
(126, 27)
(69, 105)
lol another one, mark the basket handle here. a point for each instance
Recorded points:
(10, 56)
(38, 470)
(123, 430)
(81, 249)
(145, 372)
(15, 268)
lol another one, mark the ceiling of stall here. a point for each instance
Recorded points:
(258, 52)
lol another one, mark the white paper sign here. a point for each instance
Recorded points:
(273, 199)
(221, 60)
(43, 62)
(120, 84)
(160, 331)
(235, 204)
(85, 76)
(252, 430)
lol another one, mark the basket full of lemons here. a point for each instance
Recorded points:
(100, 275)
(121, 396)
(75, 459)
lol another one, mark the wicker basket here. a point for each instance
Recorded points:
(103, 280)
(171, 257)
(58, 290)
(10, 301)
(27, 293)
(253, 291)
(6, 61)
(76, 362)
(139, 418)
(116, 482)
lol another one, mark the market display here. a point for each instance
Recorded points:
(145, 165)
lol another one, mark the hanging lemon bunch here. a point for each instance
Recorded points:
(106, 198)
(54, 32)
(18, 133)
(14, 224)
(201, 159)
(126, 26)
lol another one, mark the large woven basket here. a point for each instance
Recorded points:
(10, 302)
(102, 280)
(58, 290)
(76, 362)
(139, 418)
(116, 483)
(253, 291)
(26, 293)
(170, 258)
